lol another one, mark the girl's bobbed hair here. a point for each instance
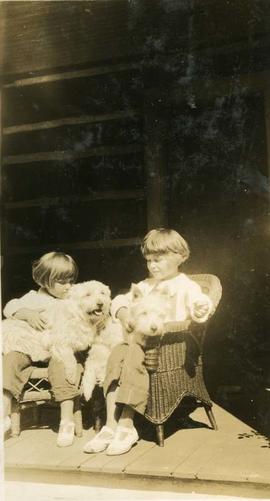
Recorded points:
(52, 267)
(162, 240)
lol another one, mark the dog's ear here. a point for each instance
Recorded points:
(136, 292)
(107, 290)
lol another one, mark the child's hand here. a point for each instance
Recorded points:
(200, 309)
(33, 317)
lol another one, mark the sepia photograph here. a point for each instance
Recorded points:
(135, 250)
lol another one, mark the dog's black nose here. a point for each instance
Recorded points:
(100, 304)
(153, 327)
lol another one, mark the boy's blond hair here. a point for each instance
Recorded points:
(162, 240)
(52, 267)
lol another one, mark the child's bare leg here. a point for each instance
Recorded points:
(127, 417)
(125, 435)
(7, 398)
(102, 440)
(66, 429)
(66, 410)
(113, 411)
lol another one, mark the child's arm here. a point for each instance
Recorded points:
(120, 305)
(26, 308)
(32, 317)
(199, 304)
(120, 311)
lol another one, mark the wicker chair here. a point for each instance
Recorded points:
(179, 369)
(37, 392)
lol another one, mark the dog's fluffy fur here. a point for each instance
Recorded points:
(107, 334)
(77, 323)
(147, 315)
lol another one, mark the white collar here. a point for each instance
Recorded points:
(172, 284)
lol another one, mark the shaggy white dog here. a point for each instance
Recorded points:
(148, 314)
(75, 324)
(107, 334)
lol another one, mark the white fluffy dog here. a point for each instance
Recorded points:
(107, 334)
(75, 324)
(148, 314)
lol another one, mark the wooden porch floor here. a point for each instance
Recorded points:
(234, 460)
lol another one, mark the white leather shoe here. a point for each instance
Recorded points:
(100, 441)
(123, 441)
(66, 434)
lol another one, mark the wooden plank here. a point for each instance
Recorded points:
(71, 155)
(117, 464)
(78, 457)
(89, 72)
(203, 455)
(96, 462)
(30, 440)
(11, 441)
(238, 460)
(230, 459)
(235, 452)
(84, 119)
(163, 461)
(98, 195)
(226, 422)
(49, 455)
(122, 463)
(86, 245)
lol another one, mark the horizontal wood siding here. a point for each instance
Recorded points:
(73, 173)
(78, 177)
(100, 94)
(71, 26)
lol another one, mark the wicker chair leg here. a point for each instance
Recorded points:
(78, 418)
(15, 419)
(211, 417)
(160, 434)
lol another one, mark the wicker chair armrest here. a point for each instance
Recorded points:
(211, 286)
(177, 326)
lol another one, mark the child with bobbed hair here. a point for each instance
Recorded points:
(126, 384)
(54, 272)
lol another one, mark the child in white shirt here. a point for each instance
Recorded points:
(127, 382)
(54, 272)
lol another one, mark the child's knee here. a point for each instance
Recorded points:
(62, 389)
(15, 360)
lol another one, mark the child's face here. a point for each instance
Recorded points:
(59, 289)
(163, 266)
